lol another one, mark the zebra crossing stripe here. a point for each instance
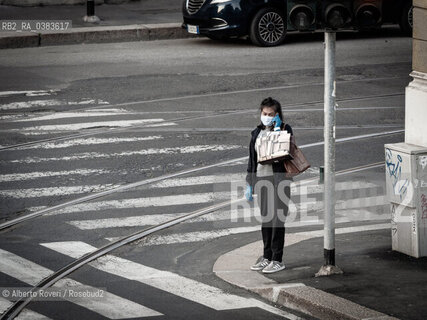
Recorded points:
(22, 269)
(25, 314)
(189, 181)
(88, 125)
(196, 236)
(242, 216)
(339, 186)
(147, 202)
(133, 221)
(236, 178)
(186, 288)
(156, 151)
(357, 203)
(28, 93)
(199, 236)
(362, 202)
(30, 104)
(199, 180)
(44, 174)
(153, 219)
(203, 236)
(161, 124)
(46, 103)
(87, 142)
(53, 191)
(73, 115)
(111, 306)
(305, 205)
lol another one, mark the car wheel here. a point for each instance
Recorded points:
(406, 20)
(268, 28)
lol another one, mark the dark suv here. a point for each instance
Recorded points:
(267, 21)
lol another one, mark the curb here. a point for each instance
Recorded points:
(232, 267)
(135, 32)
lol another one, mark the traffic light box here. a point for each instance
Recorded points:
(302, 14)
(309, 15)
(367, 13)
(336, 15)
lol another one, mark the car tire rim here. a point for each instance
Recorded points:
(271, 27)
(410, 16)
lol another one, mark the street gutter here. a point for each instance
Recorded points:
(134, 32)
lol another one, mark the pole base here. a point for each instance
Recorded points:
(328, 270)
(91, 19)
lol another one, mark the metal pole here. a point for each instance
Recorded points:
(329, 136)
(329, 150)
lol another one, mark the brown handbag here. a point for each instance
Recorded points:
(297, 162)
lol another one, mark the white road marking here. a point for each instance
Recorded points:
(236, 163)
(371, 227)
(88, 125)
(153, 219)
(95, 155)
(35, 209)
(44, 174)
(196, 236)
(86, 142)
(307, 205)
(135, 221)
(161, 124)
(199, 180)
(242, 216)
(199, 236)
(240, 178)
(29, 104)
(48, 103)
(339, 186)
(28, 93)
(173, 200)
(25, 314)
(357, 203)
(80, 114)
(54, 191)
(12, 116)
(186, 288)
(110, 306)
(362, 202)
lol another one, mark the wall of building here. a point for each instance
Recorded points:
(416, 92)
(406, 163)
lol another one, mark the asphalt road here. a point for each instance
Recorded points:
(147, 109)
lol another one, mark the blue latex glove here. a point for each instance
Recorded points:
(248, 193)
(277, 122)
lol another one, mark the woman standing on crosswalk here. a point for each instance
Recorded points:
(272, 187)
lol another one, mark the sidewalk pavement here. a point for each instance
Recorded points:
(134, 21)
(377, 283)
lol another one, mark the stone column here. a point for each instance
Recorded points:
(416, 91)
(406, 162)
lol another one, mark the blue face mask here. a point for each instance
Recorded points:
(266, 120)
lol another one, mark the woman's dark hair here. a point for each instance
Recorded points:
(270, 102)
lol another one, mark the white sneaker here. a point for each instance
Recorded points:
(260, 264)
(274, 266)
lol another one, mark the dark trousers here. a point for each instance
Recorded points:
(273, 193)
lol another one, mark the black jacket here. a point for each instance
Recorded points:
(253, 163)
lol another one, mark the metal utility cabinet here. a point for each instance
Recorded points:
(406, 181)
